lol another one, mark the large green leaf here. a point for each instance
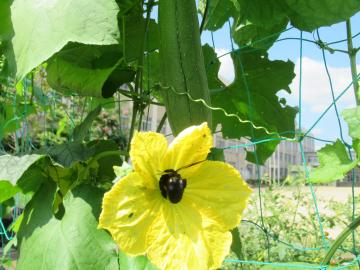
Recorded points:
(310, 14)
(134, 38)
(53, 24)
(257, 36)
(135, 262)
(23, 174)
(5, 20)
(259, 23)
(334, 164)
(74, 242)
(68, 153)
(219, 11)
(252, 99)
(262, 13)
(88, 70)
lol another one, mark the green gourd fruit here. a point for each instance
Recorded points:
(183, 75)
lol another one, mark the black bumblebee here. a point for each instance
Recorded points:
(172, 185)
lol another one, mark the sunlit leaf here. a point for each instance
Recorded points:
(53, 24)
(309, 15)
(74, 242)
(21, 174)
(334, 164)
(7, 190)
(135, 262)
(219, 11)
(352, 117)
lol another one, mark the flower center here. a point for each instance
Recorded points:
(172, 186)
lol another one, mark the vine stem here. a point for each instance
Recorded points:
(339, 240)
(352, 56)
(162, 122)
(137, 106)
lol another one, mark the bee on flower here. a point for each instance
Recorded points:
(175, 206)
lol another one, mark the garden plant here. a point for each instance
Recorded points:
(84, 185)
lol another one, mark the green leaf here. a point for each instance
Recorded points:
(352, 118)
(334, 164)
(6, 31)
(135, 262)
(88, 70)
(74, 242)
(12, 115)
(257, 36)
(122, 171)
(216, 154)
(81, 130)
(23, 174)
(53, 24)
(151, 73)
(135, 33)
(309, 15)
(262, 79)
(7, 190)
(219, 11)
(236, 245)
(262, 13)
(68, 153)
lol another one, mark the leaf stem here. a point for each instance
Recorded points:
(352, 57)
(339, 240)
(206, 11)
(162, 122)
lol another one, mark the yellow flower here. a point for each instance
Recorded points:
(175, 206)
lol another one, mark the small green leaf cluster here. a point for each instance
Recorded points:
(337, 159)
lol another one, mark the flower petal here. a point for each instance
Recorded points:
(128, 210)
(147, 152)
(218, 242)
(218, 191)
(175, 239)
(190, 146)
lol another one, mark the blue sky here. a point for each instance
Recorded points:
(315, 84)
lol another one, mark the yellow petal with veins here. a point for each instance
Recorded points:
(147, 152)
(129, 208)
(218, 191)
(192, 145)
